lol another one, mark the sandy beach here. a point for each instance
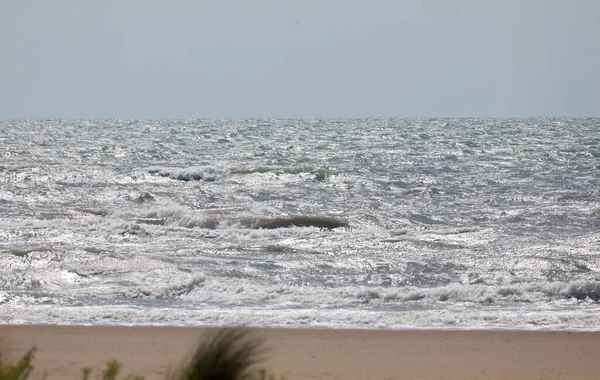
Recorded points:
(319, 353)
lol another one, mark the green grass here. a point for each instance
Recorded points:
(227, 354)
(19, 371)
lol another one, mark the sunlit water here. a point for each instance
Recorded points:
(451, 223)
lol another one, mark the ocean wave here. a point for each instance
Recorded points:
(174, 288)
(96, 273)
(193, 173)
(441, 217)
(582, 290)
(182, 217)
(213, 173)
(322, 222)
(176, 216)
(467, 318)
(25, 252)
(95, 212)
(320, 173)
(144, 197)
(483, 294)
(129, 228)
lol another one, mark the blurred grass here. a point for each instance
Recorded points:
(19, 371)
(227, 354)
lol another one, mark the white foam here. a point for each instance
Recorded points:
(454, 223)
(192, 173)
(566, 318)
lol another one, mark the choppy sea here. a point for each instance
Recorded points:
(361, 223)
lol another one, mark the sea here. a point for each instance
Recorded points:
(426, 223)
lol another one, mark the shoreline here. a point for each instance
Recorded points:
(453, 329)
(317, 353)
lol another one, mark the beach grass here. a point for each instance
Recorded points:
(19, 371)
(227, 354)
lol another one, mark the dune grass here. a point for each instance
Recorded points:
(228, 354)
(19, 371)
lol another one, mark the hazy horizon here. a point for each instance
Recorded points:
(268, 59)
(307, 118)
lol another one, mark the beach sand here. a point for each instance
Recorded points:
(319, 353)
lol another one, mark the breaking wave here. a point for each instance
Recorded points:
(213, 173)
(583, 290)
(171, 289)
(322, 222)
(319, 173)
(311, 219)
(196, 219)
(483, 294)
(194, 173)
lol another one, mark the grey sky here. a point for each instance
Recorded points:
(300, 58)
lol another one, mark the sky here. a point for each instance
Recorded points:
(299, 58)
